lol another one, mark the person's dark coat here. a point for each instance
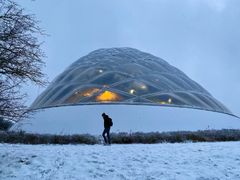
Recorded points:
(107, 121)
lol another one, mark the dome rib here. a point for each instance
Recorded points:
(126, 76)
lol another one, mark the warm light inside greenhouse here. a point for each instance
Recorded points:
(108, 96)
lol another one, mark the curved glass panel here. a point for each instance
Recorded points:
(80, 94)
(109, 78)
(136, 88)
(126, 75)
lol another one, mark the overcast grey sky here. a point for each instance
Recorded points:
(200, 37)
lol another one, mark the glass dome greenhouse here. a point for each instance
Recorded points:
(125, 76)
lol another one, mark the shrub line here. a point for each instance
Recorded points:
(123, 137)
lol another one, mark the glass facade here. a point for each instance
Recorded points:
(125, 76)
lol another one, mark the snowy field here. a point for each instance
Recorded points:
(200, 161)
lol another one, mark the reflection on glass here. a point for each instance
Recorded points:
(132, 91)
(169, 101)
(143, 86)
(89, 92)
(78, 95)
(164, 99)
(135, 87)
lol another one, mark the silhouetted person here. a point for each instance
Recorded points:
(107, 125)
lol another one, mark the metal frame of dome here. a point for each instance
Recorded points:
(126, 76)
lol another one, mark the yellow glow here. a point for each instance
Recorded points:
(132, 91)
(89, 92)
(108, 96)
(78, 95)
(169, 101)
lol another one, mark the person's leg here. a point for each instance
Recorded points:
(103, 134)
(108, 135)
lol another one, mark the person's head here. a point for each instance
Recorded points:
(103, 114)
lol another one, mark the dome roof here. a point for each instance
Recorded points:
(125, 76)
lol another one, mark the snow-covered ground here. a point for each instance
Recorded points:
(138, 161)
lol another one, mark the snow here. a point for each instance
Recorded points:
(199, 161)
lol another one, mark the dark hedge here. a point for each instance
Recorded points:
(123, 138)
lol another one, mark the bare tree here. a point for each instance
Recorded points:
(20, 57)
